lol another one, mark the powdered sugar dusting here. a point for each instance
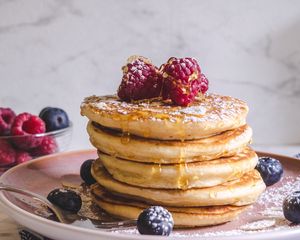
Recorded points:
(275, 196)
(258, 225)
(212, 107)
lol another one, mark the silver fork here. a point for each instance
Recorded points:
(67, 218)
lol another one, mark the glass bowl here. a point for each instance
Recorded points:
(18, 149)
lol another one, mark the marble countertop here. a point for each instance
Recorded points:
(55, 53)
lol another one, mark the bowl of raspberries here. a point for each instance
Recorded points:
(26, 136)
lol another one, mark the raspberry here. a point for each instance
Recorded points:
(26, 125)
(183, 80)
(22, 156)
(203, 83)
(47, 146)
(141, 80)
(7, 117)
(7, 154)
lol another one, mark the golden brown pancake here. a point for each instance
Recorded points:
(160, 120)
(239, 192)
(183, 216)
(167, 152)
(180, 176)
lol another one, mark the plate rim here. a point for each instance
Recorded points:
(12, 207)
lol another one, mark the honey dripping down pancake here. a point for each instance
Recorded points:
(182, 175)
(169, 151)
(156, 119)
(239, 192)
(184, 217)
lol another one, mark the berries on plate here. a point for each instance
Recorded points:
(155, 220)
(65, 199)
(297, 155)
(26, 124)
(7, 117)
(54, 118)
(141, 80)
(7, 154)
(291, 207)
(182, 80)
(85, 172)
(47, 146)
(26, 234)
(270, 170)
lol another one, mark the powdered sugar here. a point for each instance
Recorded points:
(258, 225)
(212, 107)
(275, 196)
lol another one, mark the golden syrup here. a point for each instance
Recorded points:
(125, 138)
(114, 154)
(212, 195)
(181, 131)
(182, 167)
(159, 168)
(156, 169)
(124, 123)
(146, 133)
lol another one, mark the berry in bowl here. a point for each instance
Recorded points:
(26, 136)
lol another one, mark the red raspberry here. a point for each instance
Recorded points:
(7, 154)
(203, 84)
(183, 80)
(141, 80)
(22, 156)
(7, 117)
(47, 146)
(26, 125)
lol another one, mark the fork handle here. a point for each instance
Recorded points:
(116, 224)
(43, 200)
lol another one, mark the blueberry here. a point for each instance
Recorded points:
(54, 118)
(44, 110)
(291, 207)
(270, 170)
(297, 155)
(85, 172)
(155, 220)
(26, 234)
(65, 199)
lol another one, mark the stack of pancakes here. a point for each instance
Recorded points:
(194, 160)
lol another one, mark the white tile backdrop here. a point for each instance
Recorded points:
(56, 52)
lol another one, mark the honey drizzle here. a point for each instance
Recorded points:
(125, 137)
(182, 167)
(137, 114)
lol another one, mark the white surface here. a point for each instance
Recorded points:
(57, 52)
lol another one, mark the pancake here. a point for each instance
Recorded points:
(183, 217)
(239, 192)
(160, 120)
(180, 176)
(167, 152)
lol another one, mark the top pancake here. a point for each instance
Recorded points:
(161, 120)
